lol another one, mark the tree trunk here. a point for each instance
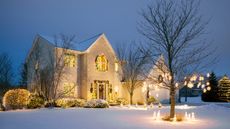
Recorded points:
(186, 93)
(179, 98)
(172, 102)
(131, 98)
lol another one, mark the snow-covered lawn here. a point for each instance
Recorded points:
(208, 116)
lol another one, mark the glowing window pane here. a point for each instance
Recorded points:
(101, 63)
(70, 60)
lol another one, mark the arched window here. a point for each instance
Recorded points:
(101, 63)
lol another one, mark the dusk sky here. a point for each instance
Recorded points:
(21, 20)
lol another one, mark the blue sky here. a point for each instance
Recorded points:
(21, 20)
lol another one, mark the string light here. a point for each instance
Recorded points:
(202, 86)
(204, 90)
(208, 74)
(199, 84)
(190, 85)
(176, 84)
(185, 83)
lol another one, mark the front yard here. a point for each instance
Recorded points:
(208, 116)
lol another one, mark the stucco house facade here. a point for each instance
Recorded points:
(92, 69)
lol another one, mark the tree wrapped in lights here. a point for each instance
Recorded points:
(224, 89)
(211, 89)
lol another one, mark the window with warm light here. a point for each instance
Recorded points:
(101, 63)
(70, 60)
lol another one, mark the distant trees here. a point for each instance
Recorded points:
(6, 73)
(211, 95)
(173, 29)
(133, 64)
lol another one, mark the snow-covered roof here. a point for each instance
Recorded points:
(78, 46)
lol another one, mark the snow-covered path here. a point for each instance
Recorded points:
(208, 116)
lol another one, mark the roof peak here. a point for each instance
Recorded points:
(78, 46)
(95, 36)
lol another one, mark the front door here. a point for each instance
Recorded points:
(102, 87)
(101, 91)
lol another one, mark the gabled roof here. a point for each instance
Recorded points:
(85, 44)
(78, 46)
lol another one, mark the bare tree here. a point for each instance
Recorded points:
(6, 73)
(49, 69)
(133, 64)
(57, 65)
(174, 30)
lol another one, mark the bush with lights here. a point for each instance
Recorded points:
(122, 101)
(36, 101)
(151, 100)
(224, 89)
(96, 103)
(16, 99)
(69, 102)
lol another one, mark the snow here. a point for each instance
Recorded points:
(192, 100)
(208, 116)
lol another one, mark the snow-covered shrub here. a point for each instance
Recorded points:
(151, 100)
(96, 103)
(122, 101)
(69, 102)
(36, 101)
(16, 99)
